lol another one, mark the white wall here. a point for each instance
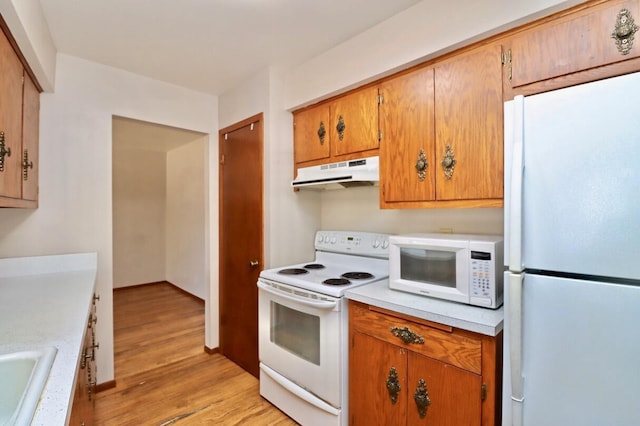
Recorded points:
(139, 199)
(186, 198)
(75, 209)
(421, 32)
(290, 218)
(357, 209)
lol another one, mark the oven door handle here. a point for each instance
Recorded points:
(307, 302)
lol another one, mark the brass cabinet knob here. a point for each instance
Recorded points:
(624, 31)
(421, 165)
(448, 163)
(421, 397)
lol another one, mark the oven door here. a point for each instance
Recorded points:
(300, 334)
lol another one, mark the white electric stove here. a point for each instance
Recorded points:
(303, 325)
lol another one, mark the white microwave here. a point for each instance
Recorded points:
(461, 268)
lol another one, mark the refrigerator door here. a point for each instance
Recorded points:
(581, 349)
(580, 175)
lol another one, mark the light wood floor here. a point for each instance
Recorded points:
(164, 377)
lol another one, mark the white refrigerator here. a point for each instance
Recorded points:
(572, 251)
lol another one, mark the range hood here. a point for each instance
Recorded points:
(343, 174)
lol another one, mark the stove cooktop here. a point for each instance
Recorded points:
(344, 260)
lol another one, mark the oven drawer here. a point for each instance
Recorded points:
(437, 341)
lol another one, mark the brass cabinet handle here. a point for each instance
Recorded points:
(448, 162)
(421, 165)
(253, 263)
(340, 127)
(26, 165)
(406, 335)
(421, 397)
(321, 133)
(624, 31)
(3, 151)
(393, 385)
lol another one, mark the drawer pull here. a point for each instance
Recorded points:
(406, 335)
(421, 397)
(393, 386)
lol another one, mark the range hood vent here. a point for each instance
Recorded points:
(343, 174)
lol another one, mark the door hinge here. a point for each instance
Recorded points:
(483, 392)
(222, 159)
(506, 60)
(379, 135)
(380, 99)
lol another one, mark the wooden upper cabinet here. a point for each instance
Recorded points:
(580, 41)
(469, 126)
(311, 133)
(354, 122)
(442, 134)
(407, 149)
(19, 123)
(11, 72)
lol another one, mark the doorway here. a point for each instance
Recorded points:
(159, 199)
(241, 239)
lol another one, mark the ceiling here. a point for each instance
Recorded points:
(129, 134)
(208, 45)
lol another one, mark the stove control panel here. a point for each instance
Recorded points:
(353, 242)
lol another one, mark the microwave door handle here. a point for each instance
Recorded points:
(307, 302)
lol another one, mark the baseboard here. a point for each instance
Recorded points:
(186, 293)
(105, 386)
(211, 351)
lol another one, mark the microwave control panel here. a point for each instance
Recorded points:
(481, 274)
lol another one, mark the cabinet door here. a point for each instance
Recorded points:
(574, 43)
(372, 364)
(354, 122)
(407, 149)
(453, 395)
(30, 129)
(311, 134)
(468, 92)
(10, 119)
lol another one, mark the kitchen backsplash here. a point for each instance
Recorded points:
(357, 209)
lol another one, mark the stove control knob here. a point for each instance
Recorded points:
(320, 238)
(376, 243)
(385, 244)
(333, 240)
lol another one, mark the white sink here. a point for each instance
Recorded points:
(23, 376)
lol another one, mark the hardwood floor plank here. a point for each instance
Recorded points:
(163, 375)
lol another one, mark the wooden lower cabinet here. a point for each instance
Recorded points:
(445, 377)
(84, 396)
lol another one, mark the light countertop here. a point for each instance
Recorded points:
(45, 301)
(472, 318)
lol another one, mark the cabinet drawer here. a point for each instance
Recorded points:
(446, 346)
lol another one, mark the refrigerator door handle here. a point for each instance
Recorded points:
(515, 196)
(515, 346)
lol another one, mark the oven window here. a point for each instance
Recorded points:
(296, 332)
(428, 266)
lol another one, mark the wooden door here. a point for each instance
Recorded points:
(10, 119)
(30, 132)
(354, 122)
(241, 240)
(312, 134)
(408, 138)
(373, 363)
(469, 125)
(454, 394)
